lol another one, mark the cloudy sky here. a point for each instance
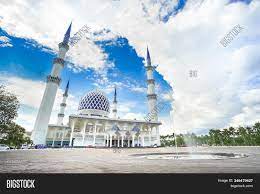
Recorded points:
(182, 35)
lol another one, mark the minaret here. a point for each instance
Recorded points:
(53, 81)
(115, 105)
(151, 96)
(63, 105)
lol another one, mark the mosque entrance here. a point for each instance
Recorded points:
(126, 143)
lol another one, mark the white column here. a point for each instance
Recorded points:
(142, 141)
(133, 141)
(118, 141)
(110, 141)
(62, 138)
(94, 136)
(158, 136)
(128, 142)
(122, 141)
(72, 130)
(83, 130)
(107, 138)
(150, 136)
(53, 140)
(138, 140)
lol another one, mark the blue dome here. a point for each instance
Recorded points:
(94, 103)
(136, 129)
(115, 128)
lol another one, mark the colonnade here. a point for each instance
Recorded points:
(122, 138)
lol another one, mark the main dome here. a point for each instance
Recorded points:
(94, 103)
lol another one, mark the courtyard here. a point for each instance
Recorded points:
(127, 160)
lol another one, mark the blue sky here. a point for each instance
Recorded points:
(28, 59)
(182, 35)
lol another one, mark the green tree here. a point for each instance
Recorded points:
(9, 105)
(226, 137)
(232, 131)
(14, 135)
(256, 131)
(215, 137)
(180, 140)
(10, 133)
(242, 136)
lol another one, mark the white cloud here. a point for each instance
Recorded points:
(131, 115)
(139, 89)
(250, 109)
(5, 42)
(26, 120)
(126, 107)
(188, 41)
(4, 39)
(29, 94)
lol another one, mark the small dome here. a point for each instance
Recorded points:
(136, 129)
(115, 128)
(94, 103)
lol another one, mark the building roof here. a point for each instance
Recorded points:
(114, 119)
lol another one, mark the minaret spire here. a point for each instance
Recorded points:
(53, 81)
(115, 104)
(115, 95)
(63, 105)
(67, 88)
(148, 58)
(67, 35)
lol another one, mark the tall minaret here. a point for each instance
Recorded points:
(115, 105)
(63, 105)
(53, 80)
(151, 96)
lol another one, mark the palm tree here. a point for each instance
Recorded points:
(242, 134)
(232, 131)
(256, 129)
(226, 136)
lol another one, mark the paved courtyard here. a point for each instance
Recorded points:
(97, 160)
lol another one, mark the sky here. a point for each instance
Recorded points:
(183, 36)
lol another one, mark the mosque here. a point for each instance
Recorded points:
(91, 126)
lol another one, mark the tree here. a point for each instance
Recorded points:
(226, 137)
(247, 136)
(180, 140)
(11, 133)
(14, 135)
(256, 131)
(242, 134)
(232, 131)
(9, 105)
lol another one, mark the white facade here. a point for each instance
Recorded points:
(92, 127)
(84, 131)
